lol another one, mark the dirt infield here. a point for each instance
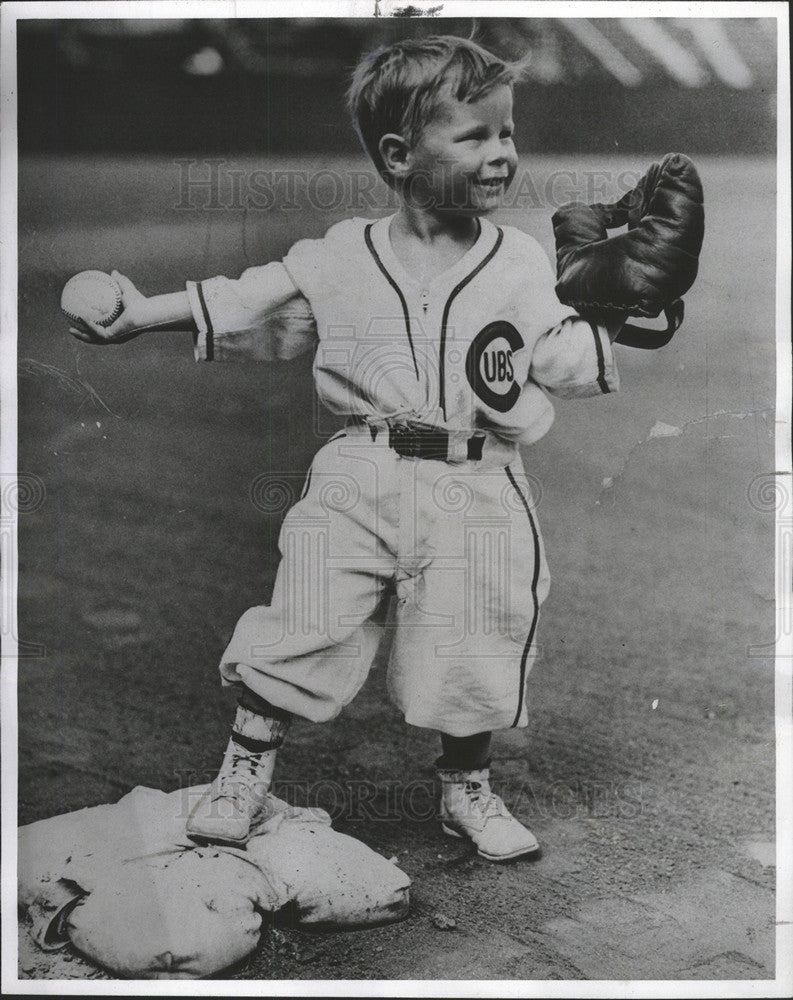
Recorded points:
(647, 771)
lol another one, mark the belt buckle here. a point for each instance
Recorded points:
(404, 440)
(420, 441)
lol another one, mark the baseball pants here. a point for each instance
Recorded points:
(461, 545)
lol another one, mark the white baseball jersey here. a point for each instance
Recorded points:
(472, 349)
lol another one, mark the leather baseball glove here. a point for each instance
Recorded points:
(646, 269)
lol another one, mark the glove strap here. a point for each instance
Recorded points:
(651, 340)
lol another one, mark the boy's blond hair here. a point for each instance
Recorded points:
(399, 87)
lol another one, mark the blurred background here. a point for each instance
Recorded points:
(277, 85)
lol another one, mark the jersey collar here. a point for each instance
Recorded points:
(471, 259)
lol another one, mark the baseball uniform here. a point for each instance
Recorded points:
(471, 352)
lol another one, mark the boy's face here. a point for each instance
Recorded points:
(465, 159)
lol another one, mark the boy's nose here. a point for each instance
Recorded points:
(499, 153)
(498, 159)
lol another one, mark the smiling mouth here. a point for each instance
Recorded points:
(494, 183)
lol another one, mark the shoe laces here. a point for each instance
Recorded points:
(250, 760)
(483, 801)
(235, 774)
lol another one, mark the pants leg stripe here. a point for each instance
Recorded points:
(535, 578)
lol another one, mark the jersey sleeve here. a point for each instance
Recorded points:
(319, 268)
(575, 358)
(571, 357)
(305, 266)
(260, 316)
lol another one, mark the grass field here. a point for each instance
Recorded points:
(647, 771)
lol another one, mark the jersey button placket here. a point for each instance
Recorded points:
(424, 324)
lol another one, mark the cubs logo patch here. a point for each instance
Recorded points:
(488, 365)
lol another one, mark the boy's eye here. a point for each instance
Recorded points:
(481, 135)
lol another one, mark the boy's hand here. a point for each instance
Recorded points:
(132, 320)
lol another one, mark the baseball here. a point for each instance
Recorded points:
(92, 296)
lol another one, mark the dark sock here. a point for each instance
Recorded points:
(254, 703)
(256, 746)
(464, 753)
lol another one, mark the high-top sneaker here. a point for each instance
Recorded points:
(238, 800)
(470, 809)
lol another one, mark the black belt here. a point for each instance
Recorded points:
(415, 441)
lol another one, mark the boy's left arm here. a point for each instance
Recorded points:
(642, 271)
(572, 356)
(575, 358)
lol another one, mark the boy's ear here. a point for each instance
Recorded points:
(395, 154)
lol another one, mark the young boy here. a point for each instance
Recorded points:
(436, 333)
